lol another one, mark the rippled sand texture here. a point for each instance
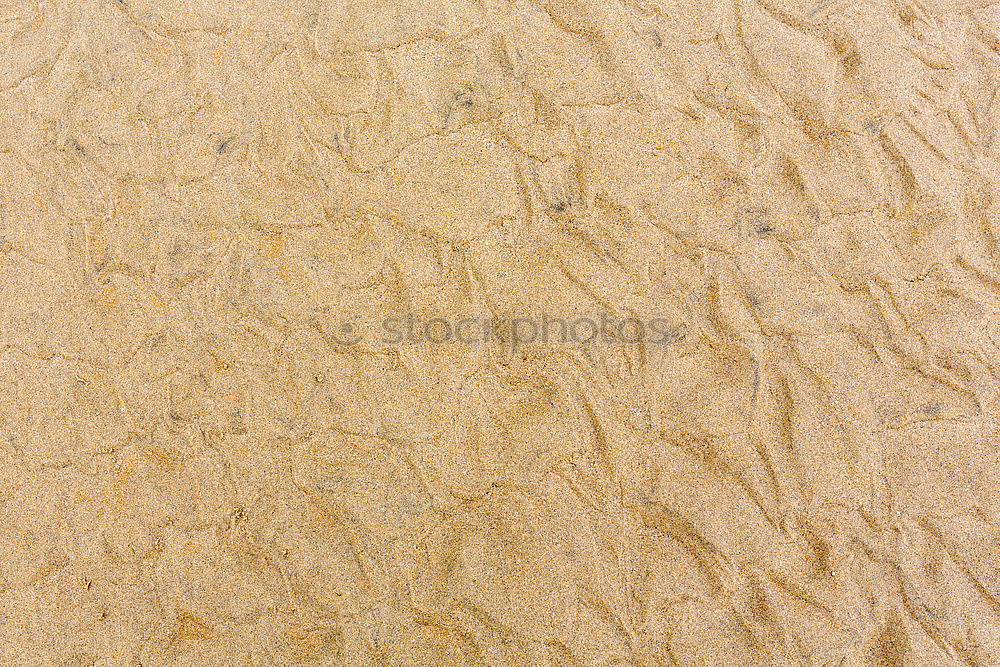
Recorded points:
(197, 195)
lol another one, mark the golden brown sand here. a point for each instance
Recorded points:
(488, 332)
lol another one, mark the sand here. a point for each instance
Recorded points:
(489, 332)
